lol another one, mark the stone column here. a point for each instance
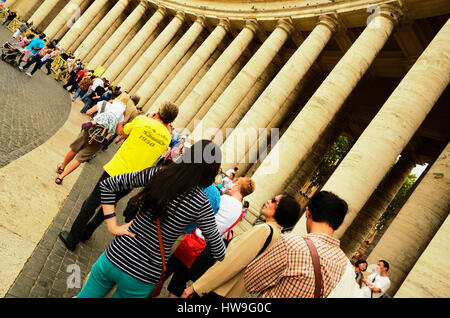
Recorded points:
(152, 83)
(10, 3)
(62, 18)
(429, 276)
(79, 26)
(93, 37)
(193, 65)
(92, 24)
(133, 47)
(418, 220)
(40, 14)
(268, 104)
(152, 53)
(376, 205)
(118, 36)
(215, 74)
(322, 107)
(243, 82)
(391, 129)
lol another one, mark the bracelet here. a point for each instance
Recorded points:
(105, 217)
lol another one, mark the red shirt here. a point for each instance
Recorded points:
(81, 73)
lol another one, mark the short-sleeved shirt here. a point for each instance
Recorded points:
(381, 282)
(36, 43)
(112, 115)
(99, 91)
(147, 140)
(97, 82)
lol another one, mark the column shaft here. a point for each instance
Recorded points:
(321, 108)
(192, 66)
(416, 223)
(152, 53)
(10, 3)
(101, 29)
(242, 83)
(171, 75)
(268, 104)
(133, 47)
(215, 74)
(118, 36)
(82, 23)
(42, 12)
(429, 276)
(399, 118)
(62, 18)
(376, 205)
(152, 83)
(92, 24)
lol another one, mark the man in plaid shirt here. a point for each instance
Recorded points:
(286, 270)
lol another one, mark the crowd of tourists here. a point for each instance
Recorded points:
(179, 223)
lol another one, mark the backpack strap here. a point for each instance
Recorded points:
(267, 242)
(316, 264)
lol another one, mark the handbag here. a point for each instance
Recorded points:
(189, 248)
(157, 290)
(97, 133)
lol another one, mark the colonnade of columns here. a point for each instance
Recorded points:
(198, 78)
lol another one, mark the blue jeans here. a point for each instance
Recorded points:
(87, 105)
(87, 95)
(78, 92)
(104, 275)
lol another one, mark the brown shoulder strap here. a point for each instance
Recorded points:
(161, 245)
(317, 272)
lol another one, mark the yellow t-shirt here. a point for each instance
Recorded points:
(146, 142)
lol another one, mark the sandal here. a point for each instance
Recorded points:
(58, 180)
(59, 170)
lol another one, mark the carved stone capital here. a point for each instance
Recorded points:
(225, 24)
(252, 25)
(180, 15)
(286, 25)
(330, 21)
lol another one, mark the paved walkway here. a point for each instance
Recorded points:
(32, 109)
(37, 124)
(33, 209)
(47, 270)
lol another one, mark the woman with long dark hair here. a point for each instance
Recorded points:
(172, 194)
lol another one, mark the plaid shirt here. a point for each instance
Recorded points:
(286, 269)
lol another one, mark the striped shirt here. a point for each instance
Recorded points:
(140, 256)
(287, 271)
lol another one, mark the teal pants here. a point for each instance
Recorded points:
(104, 275)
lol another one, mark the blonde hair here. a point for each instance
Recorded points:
(247, 185)
(124, 98)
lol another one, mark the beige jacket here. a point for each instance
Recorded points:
(226, 278)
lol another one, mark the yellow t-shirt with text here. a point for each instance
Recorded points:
(147, 140)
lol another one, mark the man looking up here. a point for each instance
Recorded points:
(286, 270)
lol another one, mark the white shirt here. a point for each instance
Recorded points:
(227, 183)
(380, 282)
(230, 211)
(116, 107)
(97, 82)
(229, 171)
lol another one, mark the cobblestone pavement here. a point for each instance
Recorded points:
(46, 272)
(31, 109)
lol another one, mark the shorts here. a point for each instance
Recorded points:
(84, 150)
